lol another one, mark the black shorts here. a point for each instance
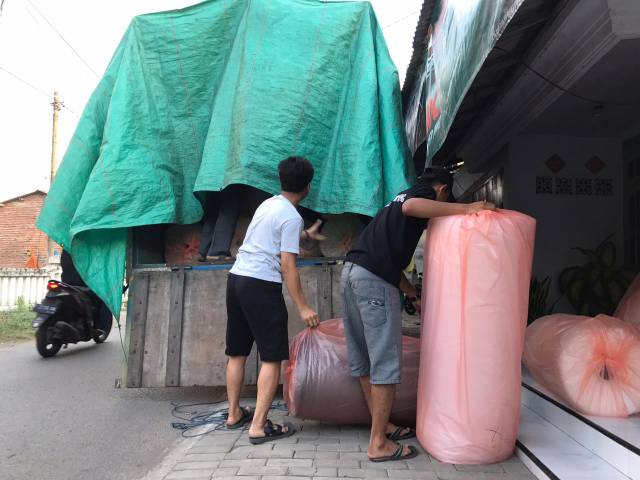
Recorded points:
(256, 311)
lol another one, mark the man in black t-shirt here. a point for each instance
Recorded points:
(371, 282)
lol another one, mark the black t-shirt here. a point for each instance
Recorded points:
(387, 244)
(69, 273)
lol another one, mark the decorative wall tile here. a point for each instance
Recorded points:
(555, 163)
(584, 186)
(604, 187)
(544, 185)
(595, 164)
(564, 186)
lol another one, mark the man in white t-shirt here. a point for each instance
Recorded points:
(256, 310)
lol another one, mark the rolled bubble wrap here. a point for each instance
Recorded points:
(629, 308)
(474, 314)
(591, 364)
(318, 384)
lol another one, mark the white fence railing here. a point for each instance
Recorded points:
(26, 283)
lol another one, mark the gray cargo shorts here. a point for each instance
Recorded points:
(373, 325)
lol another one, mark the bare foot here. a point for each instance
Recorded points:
(259, 432)
(314, 231)
(236, 415)
(386, 450)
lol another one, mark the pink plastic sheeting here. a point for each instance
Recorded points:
(318, 384)
(629, 307)
(475, 301)
(592, 364)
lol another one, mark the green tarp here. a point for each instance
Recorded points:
(216, 94)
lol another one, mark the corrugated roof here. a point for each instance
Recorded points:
(419, 45)
(501, 64)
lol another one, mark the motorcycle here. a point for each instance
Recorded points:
(69, 314)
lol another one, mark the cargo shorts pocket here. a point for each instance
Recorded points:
(372, 302)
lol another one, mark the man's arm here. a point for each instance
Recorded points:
(292, 281)
(423, 208)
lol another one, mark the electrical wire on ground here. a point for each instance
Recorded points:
(200, 419)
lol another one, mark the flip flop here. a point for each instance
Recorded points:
(398, 435)
(397, 455)
(273, 432)
(247, 416)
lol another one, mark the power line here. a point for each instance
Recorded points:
(25, 82)
(63, 39)
(33, 87)
(400, 19)
(631, 103)
(70, 111)
(26, 9)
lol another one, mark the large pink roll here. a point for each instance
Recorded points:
(592, 364)
(475, 300)
(629, 308)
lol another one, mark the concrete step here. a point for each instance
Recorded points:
(556, 442)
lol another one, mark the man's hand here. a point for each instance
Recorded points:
(309, 316)
(292, 281)
(478, 207)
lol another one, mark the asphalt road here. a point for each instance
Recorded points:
(63, 419)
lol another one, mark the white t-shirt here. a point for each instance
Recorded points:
(276, 227)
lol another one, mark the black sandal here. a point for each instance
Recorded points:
(247, 416)
(397, 435)
(273, 432)
(397, 455)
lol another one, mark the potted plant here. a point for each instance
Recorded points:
(539, 299)
(596, 286)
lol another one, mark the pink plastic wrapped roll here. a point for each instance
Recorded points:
(318, 385)
(182, 243)
(592, 364)
(475, 301)
(629, 308)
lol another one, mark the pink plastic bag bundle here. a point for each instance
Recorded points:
(475, 300)
(318, 384)
(592, 364)
(629, 308)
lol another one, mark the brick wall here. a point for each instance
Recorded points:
(18, 233)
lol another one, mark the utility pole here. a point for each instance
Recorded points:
(57, 106)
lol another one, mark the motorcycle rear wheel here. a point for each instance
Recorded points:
(102, 337)
(45, 348)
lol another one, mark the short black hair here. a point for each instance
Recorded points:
(434, 175)
(295, 174)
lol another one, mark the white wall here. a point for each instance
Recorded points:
(26, 283)
(564, 221)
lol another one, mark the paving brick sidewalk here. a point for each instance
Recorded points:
(319, 452)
